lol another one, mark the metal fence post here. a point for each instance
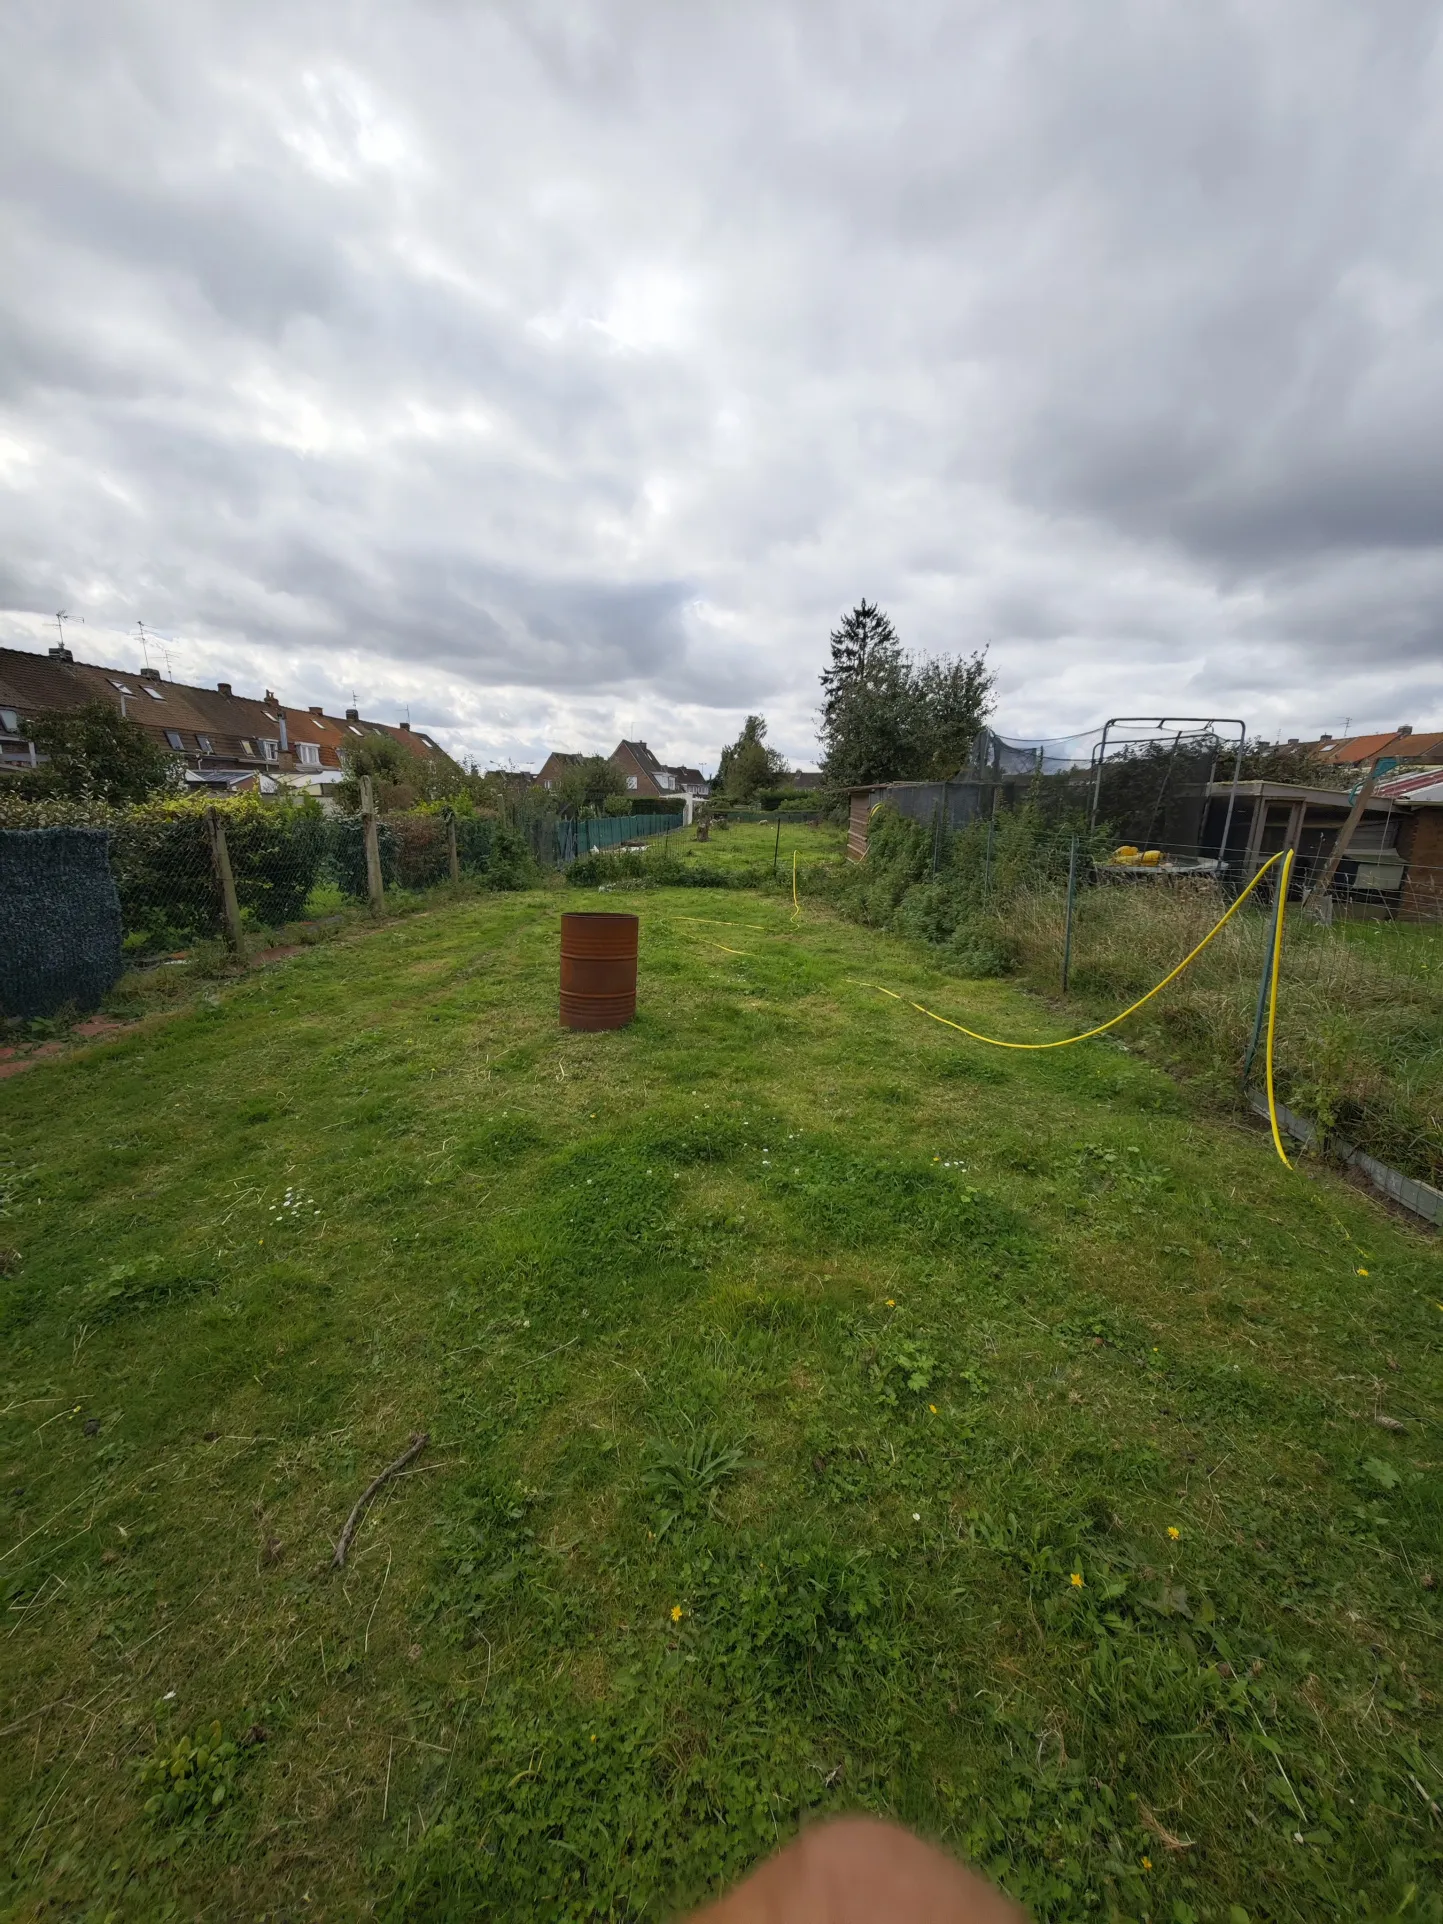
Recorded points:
(1266, 977)
(453, 856)
(220, 856)
(1067, 928)
(375, 884)
(777, 846)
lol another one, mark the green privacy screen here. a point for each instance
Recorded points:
(59, 920)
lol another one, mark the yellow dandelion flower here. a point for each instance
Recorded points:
(1362, 1272)
(1174, 1532)
(677, 1613)
(593, 1736)
(891, 1302)
(933, 1408)
(1147, 1863)
(1077, 1579)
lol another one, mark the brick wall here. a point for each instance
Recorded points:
(1420, 843)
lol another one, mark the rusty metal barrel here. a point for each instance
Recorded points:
(598, 971)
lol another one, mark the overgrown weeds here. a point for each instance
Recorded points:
(1360, 1040)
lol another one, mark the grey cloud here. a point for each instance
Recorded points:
(589, 361)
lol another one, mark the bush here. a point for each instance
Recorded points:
(160, 855)
(510, 863)
(610, 868)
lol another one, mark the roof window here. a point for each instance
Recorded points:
(202, 742)
(175, 738)
(121, 686)
(154, 693)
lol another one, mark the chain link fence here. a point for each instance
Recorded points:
(85, 889)
(1048, 902)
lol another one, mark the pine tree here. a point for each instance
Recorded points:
(888, 718)
(865, 650)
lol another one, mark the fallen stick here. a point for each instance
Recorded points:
(418, 1443)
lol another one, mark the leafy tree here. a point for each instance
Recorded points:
(587, 783)
(402, 778)
(392, 769)
(1285, 762)
(96, 754)
(747, 764)
(887, 717)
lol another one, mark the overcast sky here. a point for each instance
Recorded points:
(555, 371)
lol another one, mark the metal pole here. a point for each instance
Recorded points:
(777, 844)
(987, 859)
(936, 834)
(1232, 800)
(1097, 785)
(1265, 978)
(1067, 928)
(453, 854)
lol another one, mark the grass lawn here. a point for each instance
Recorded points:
(752, 845)
(824, 1412)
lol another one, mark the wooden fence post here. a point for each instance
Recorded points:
(452, 853)
(375, 884)
(220, 856)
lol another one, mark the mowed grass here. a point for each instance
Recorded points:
(753, 846)
(825, 1412)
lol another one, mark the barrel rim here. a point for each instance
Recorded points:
(599, 915)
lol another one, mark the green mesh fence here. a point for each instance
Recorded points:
(59, 920)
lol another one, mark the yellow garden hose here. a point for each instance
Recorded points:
(1066, 1042)
(1273, 999)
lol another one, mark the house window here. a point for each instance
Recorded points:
(173, 736)
(353, 728)
(10, 720)
(631, 781)
(154, 693)
(270, 750)
(309, 753)
(202, 742)
(248, 747)
(121, 686)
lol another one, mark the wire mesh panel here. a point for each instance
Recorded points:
(169, 891)
(59, 920)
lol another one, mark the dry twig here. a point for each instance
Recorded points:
(418, 1443)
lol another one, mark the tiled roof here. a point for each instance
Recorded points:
(639, 752)
(210, 722)
(1362, 748)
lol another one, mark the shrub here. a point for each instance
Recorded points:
(510, 863)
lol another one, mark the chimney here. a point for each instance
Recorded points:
(224, 687)
(1406, 728)
(353, 714)
(61, 653)
(1325, 738)
(1292, 741)
(317, 711)
(270, 694)
(404, 725)
(150, 674)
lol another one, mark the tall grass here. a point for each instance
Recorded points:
(1360, 1035)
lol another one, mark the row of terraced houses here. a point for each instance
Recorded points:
(227, 743)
